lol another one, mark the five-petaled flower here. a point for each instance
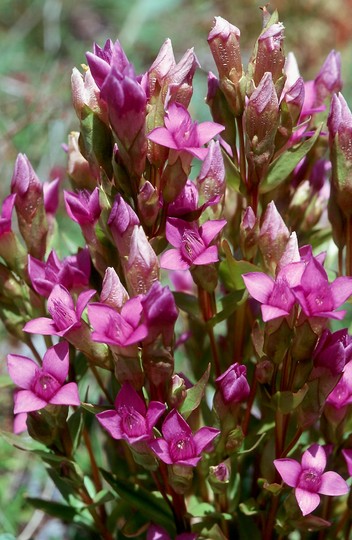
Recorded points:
(40, 386)
(179, 445)
(309, 479)
(182, 134)
(131, 420)
(191, 243)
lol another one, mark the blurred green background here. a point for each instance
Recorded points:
(40, 42)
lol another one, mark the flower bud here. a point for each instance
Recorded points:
(29, 204)
(142, 267)
(224, 42)
(148, 204)
(122, 222)
(177, 392)
(270, 56)
(233, 384)
(219, 477)
(220, 110)
(273, 237)
(249, 232)
(328, 81)
(78, 167)
(113, 293)
(211, 179)
(86, 92)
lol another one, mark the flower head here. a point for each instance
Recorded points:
(191, 243)
(179, 445)
(308, 478)
(233, 384)
(182, 134)
(342, 393)
(131, 420)
(45, 385)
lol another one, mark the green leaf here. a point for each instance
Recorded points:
(188, 303)
(21, 442)
(94, 409)
(287, 401)
(101, 497)
(75, 425)
(55, 509)
(286, 162)
(195, 395)
(249, 507)
(231, 270)
(197, 508)
(151, 506)
(233, 177)
(230, 303)
(95, 140)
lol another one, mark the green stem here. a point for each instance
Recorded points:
(208, 308)
(243, 172)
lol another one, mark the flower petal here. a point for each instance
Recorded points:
(259, 285)
(314, 458)
(162, 136)
(26, 401)
(110, 420)
(341, 290)
(208, 130)
(128, 397)
(272, 312)
(209, 255)
(333, 484)
(66, 395)
(42, 325)
(172, 260)
(210, 229)
(204, 437)
(175, 423)
(306, 500)
(161, 449)
(21, 370)
(289, 470)
(56, 361)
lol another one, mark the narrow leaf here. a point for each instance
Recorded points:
(195, 395)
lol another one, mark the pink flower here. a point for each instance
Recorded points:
(182, 134)
(191, 243)
(275, 296)
(65, 315)
(72, 272)
(83, 207)
(233, 384)
(131, 420)
(347, 454)
(318, 297)
(114, 328)
(308, 478)
(179, 445)
(45, 385)
(341, 396)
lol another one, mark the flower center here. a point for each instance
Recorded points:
(45, 385)
(62, 315)
(132, 422)
(310, 480)
(192, 245)
(182, 447)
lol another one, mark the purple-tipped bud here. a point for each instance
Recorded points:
(262, 112)
(177, 86)
(161, 66)
(178, 391)
(113, 293)
(270, 56)
(220, 110)
(340, 134)
(51, 196)
(122, 221)
(249, 232)
(273, 237)
(83, 207)
(101, 59)
(219, 477)
(211, 179)
(224, 43)
(29, 204)
(142, 266)
(328, 81)
(160, 313)
(233, 384)
(148, 204)
(294, 98)
(333, 351)
(86, 92)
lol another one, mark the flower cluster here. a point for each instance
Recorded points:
(196, 349)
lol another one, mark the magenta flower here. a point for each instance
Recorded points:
(333, 351)
(160, 313)
(114, 328)
(83, 207)
(191, 243)
(233, 384)
(131, 420)
(155, 532)
(6, 214)
(347, 454)
(72, 272)
(275, 296)
(182, 134)
(179, 445)
(65, 315)
(319, 298)
(45, 385)
(100, 60)
(51, 196)
(341, 396)
(308, 478)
